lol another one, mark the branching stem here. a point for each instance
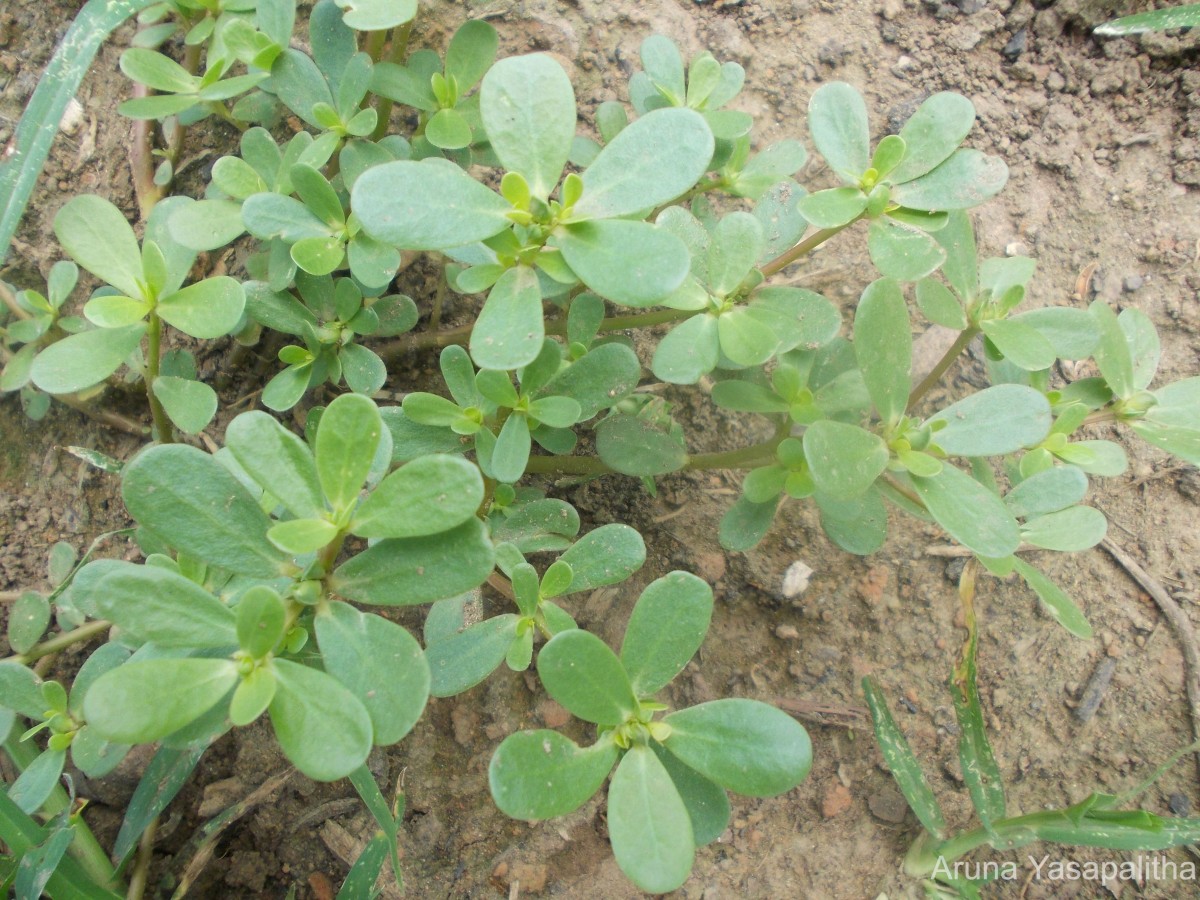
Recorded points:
(947, 360)
(61, 642)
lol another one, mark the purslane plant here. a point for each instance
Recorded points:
(258, 556)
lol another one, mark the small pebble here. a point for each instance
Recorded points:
(1132, 283)
(1016, 45)
(1179, 804)
(795, 579)
(1095, 689)
(787, 633)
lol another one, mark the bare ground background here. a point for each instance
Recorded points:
(1103, 142)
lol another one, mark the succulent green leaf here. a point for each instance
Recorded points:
(901, 251)
(471, 52)
(651, 162)
(883, 347)
(270, 215)
(585, 676)
(634, 263)
(707, 802)
(33, 786)
(1022, 345)
(857, 525)
(939, 305)
(208, 224)
(144, 701)
(426, 205)
(932, 133)
(746, 523)
(28, 619)
(299, 536)
(600, 379)
(381, 664)
(427, 496)
(153, 604)
(1046, 492)
(746, 746)
(377, 15)
(736, 245)
(528, 110)
(459, 661)
(319, 255)
(98, 236)
(278, 460)
(966, 179)
(81, 360)
(844, 459)
(1144, 346)
(1056, 602)
(666, 629)
(1001, 419)
(1103, 458)
(189, 404)
(299, 84)
(961, 266)
(511, 453)
(648, 823)
(347, 436)
(837, 117)
(206, 309)
(634, 446)
(321, 726)
(537, 775)
(688, 351)
(261, 621)
(1072, 332)
(832, 208)
(157, 71)
(193, 503)
(545, 524)
(448, 129)
(605, 555)
(252, 696)
(408, 571)
(1068, 530)
(970, 513)
(510, 329)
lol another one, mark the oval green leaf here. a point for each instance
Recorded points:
(320, 724)
(648, 823)
(582, 673)
(537, 775)
(141, 702)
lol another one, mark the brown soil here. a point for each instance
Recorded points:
(1103, 142)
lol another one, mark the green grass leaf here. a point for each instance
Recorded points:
(667, 627)
(537, 775)
(648, 823)
(321, 726)
(903, 762)
(746, 746)
(381, 664)
(1156, 20)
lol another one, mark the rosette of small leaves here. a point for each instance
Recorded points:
(503, 420)
(223, 630)
(320, 237)
(907, 185)
(449, 119)
(462, 655)
(144, 282)
(740, 323)
(33, 333)
(667, 794)
(330, 316)
(591, 234)
(191, 97)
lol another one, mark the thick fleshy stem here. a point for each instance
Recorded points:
(163, 431)
(947, 360)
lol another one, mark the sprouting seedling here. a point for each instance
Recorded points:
(667, 794)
